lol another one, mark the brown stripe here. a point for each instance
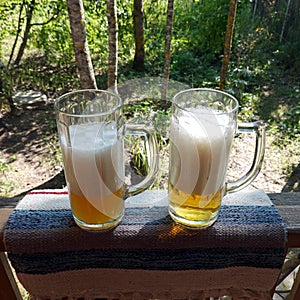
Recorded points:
(237, 282)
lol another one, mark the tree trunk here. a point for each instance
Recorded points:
(112, 72)
(29, 13)
(168, 39)
(138, 22)
(228, 42)
(254, 8)
(17, 36)
(285, 20)
(291, 23)
(80, 44)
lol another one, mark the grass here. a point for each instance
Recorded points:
(5, 185)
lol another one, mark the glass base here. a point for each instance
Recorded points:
(193, 224)
(98, 227)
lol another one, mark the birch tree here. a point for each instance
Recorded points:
(29, 13)
(286, 15)
(168, 39)
(228, 42)
(112, 21)
(138, 23)
(17, 35)
(80, 44)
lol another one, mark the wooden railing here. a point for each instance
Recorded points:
(288, 205)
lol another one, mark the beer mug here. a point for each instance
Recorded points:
(91, 132)
(203, 126)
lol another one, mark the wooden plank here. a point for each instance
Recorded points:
(9, 202)
(291, 216)
(288, 205)
(4, 214)
(285, 198)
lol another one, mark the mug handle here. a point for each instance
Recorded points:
(259, 129)
(152, 156)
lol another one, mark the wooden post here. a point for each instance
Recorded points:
(295, 291)
(9, 289)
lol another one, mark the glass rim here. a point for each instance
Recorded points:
(232, 110)
(62, 97)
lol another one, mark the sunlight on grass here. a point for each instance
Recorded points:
(5, 185)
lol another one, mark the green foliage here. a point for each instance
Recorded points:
(198, 36)
(285, 120)
(38, 73)
(200, 26)
(5, 185)
(155, 22)
(125, 23)
(291, 122)
(53, 38)
(138, 159)
(96, 24)
(187, 67)
(288, 56)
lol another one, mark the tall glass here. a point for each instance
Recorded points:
(91, 131)
(203, 125)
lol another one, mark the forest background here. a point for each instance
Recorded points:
(37, 54)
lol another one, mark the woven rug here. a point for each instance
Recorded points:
(147, 256)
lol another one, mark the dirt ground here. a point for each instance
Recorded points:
(29, 156)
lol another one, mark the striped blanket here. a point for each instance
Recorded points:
(147, 256)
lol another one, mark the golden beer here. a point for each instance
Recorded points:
(195, 210)
(85, 212)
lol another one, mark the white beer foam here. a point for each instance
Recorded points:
(97, 164)
(202, 139)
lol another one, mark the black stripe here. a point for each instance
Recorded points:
(148, 259)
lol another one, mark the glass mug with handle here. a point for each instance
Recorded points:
(203, 126)
(91, 132)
